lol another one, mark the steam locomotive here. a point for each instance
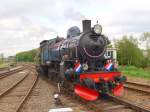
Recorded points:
(79, 59)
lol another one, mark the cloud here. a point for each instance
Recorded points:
(24, 23)
(74, 15)
(19, 34)
(130, 16)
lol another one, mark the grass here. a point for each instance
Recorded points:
(4, 65)
(133, 71)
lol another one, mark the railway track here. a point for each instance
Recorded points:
(118, 104)
(138, 94)
(12, 98)
(42, 99)
(5, 68)
(138, 87)
(100, 105)
(12, 71)
(110, 103)
(20, 96)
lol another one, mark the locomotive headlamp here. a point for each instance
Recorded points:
(97, 29)
(85, 67)
(48, 62)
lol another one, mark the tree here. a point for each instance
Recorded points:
(37, 58)
(128, 51)
(1, 58)
(145, 37)
(27, 56)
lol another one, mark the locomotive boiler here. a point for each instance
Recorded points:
(80, 59)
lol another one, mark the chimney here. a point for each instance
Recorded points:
(86, 24)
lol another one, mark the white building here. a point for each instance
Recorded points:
(111, 53)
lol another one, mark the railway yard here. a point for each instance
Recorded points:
(23, 90)
(75, 56)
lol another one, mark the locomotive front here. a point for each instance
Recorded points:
(92, 44)
(88, 47)
(80, 60)
(91, 67)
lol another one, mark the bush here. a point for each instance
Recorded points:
(134, 71)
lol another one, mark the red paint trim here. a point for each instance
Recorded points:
(118, 90)
(103, 75)
(86, 93)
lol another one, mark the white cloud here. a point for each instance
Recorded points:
(17, 35)
(24, 23)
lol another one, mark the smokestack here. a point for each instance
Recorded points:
(86, 24)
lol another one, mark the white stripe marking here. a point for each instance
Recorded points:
(61, 110)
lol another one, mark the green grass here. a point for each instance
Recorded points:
(133, 71)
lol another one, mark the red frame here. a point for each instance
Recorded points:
(97, 75)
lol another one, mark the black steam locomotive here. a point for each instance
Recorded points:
(80, 59)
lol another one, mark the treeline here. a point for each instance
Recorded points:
(27, 56)
(129, 52)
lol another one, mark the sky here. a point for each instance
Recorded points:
(25, 23)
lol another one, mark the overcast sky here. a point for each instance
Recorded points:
(24, 23)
